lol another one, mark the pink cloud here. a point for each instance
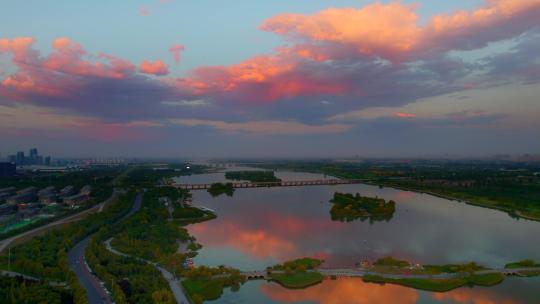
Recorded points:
(263, 78)
(405, 115)
(68, 58)
(144, 11)
(377, 30)
(176, 51)
(383, 29)
(20, 47)
(61, 73)
(391, 30)
(158, 68)
(265, 127)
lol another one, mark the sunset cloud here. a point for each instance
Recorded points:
(265, 127)
(391, 30)
(176, 51)
(337, 69)
(72, 79)
(158, 68)
(405, 115)
(144, 11)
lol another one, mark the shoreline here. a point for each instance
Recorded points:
(516, 213)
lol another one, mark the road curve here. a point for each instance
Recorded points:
(97, 294)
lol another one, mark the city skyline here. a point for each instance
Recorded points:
(309, 78)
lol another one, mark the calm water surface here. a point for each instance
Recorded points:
(260, 227)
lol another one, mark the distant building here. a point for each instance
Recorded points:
(22, 198)
(48, 199)
(67, 191)
(8, 209)
(4, 196)
(8, 190)
(46, 191)
(32, 190)
(27, 211)
(7, 169)
(86, 190)
(33, 157)
(76, 199)
(47, 161)
(20, 159)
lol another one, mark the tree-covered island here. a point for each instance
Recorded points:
(218, 189)
(347, 207)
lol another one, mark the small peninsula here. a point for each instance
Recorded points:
(299, 273)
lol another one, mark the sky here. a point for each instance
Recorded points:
(303, 78)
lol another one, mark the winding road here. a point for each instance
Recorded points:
(97, 293)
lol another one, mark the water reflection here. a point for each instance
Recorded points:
(339, 291)
(264, 226)
(355, 291)
(273, 224)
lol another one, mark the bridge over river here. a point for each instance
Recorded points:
(291, 183)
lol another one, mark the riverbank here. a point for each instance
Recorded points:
(513, 213)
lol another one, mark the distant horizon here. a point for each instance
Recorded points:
(349, 157)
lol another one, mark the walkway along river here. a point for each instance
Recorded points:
(174, 283)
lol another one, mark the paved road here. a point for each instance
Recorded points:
(174, 283)
(72, 218)
(97, 294)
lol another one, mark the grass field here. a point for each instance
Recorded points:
(440, 285)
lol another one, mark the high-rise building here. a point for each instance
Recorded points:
(7, 169)
(20, 159)
(47, 161)
(35, 159)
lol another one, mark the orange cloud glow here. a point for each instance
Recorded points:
(391, 30)
(405, 115)
(266, 126)
(20, 47)
(375, 28)
(473, 296)
(262, 78)
(68, 56)
(158, 68)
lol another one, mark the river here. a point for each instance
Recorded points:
(260, 227)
